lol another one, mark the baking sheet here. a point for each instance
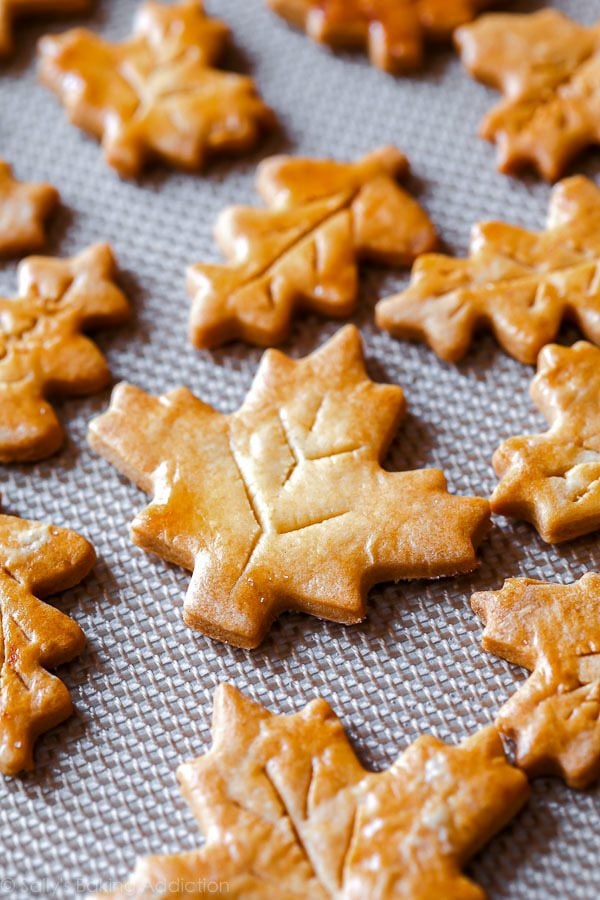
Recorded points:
(104, 790)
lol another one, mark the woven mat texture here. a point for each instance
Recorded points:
(104, 790)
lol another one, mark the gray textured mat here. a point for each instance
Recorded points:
(104, 790)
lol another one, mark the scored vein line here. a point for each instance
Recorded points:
(301, 845)
(316, 414)
(319, 521)
(540, 280)
(295, 453)
(567, 81)
(344, 203)
(345, 856)
(343, 452)
(249, 495)
(255, 512)
(256, 541)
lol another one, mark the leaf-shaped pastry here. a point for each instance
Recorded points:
(43, 350)
(24, 209)
(35, 560)
(302, 252)
(519, 284)
(553, 479)
(157, 95)
(289, 812)
(393, 31)
(284, 504)
(547, 67)
(554, 631)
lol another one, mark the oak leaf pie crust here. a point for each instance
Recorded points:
(554, 631)
(36, 560)
(156, 96)
(302, 252)
(548, 69)
(394, 32)
(24, 210)
(283, 505)
(289, 812)
(521, 285)
(43, 351)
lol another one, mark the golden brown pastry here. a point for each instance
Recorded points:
(24, 209)
(284, 504)
(289, 812)
(35, 560)
(43, 352)
(302, 252)
(553, 480)
(157, 96)
(519, 284)
(554, 631)
(547, 67)
(394, 32)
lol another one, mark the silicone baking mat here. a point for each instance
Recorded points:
(104, 790)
